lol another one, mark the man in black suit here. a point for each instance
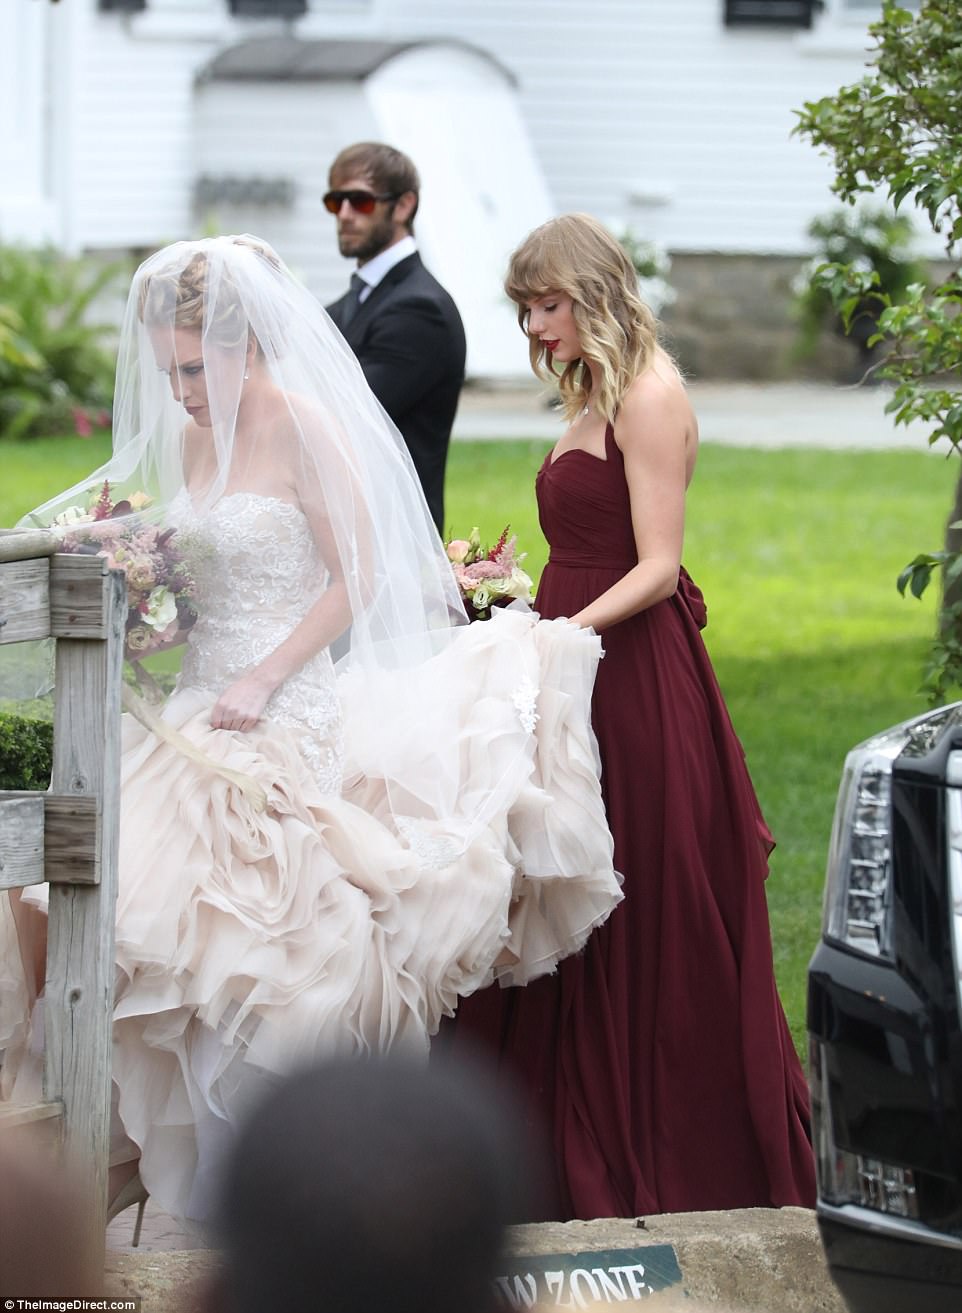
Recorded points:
(400, 322)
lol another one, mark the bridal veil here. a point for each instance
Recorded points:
(431, 707)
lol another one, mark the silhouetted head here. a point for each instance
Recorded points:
(367, 1184)
(47, 1247)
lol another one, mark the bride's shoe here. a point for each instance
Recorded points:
(131, 1192)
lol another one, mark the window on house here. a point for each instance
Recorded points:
(121, 6)
(267, 8)
(770, 13)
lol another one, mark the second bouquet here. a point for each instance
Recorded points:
(488, 576)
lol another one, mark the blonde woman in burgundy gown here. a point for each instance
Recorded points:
(659, 1059)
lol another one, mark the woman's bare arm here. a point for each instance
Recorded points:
(652, 431)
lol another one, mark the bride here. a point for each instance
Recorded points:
(315, 857)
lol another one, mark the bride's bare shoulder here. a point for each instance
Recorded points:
(306, 445)
(295, 416)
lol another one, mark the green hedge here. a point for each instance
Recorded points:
(26, 750)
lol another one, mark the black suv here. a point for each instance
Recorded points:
(885, 1038)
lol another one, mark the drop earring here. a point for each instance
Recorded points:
(247, 375)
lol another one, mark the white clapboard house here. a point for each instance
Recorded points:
(130, 123)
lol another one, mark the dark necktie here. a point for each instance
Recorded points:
(353, 300)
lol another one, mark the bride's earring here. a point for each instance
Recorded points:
(247, 375)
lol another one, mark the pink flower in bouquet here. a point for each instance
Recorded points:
(104, 538)
(483, 570)
(141, 573)
(458, 550)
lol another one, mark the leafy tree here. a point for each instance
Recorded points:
(868, 238)
(900, 129)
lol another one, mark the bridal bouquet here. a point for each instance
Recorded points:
(160, 591)
(160, 587)
(485, 577)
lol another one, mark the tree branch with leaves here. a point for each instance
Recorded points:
(899, 129)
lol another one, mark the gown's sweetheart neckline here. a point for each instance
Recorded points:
(243, 492)
(554, 457)
(571, 451)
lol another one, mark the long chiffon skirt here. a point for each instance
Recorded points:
(659, 1061)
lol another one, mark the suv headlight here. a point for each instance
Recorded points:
(851, 1178)
(858, 879)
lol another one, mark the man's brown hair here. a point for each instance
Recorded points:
(389, 171)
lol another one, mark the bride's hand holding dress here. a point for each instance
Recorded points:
(241, 705)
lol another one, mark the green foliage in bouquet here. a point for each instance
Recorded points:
(26, 751)
(56, 371)
(871, 241)
(898, 129)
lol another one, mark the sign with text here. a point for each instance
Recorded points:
(574, 1281)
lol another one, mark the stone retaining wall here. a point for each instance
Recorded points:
(733, 320)
(753, 1260)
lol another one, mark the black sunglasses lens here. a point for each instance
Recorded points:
(362, 201)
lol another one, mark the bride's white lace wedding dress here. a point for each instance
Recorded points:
(336, 919)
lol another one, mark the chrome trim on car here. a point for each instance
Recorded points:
(953, 838)
(896, 1228)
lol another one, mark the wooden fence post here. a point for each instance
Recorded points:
(74, 843)
(88, 608)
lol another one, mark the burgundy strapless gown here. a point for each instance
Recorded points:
(659, 1060)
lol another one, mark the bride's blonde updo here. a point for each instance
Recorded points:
(576, 255)
(180, 298)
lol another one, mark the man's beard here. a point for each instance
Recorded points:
(378, 237)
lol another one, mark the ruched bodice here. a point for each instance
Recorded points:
(584, 510)
(585, 514)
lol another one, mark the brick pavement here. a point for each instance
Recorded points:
(159, 1232)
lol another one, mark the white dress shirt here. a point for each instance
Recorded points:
(374, 270)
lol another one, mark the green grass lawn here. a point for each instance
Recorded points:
(797, 552)
(33, 472)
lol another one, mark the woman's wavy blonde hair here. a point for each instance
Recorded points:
(576, 255)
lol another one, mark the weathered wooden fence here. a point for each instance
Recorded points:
(68, 837)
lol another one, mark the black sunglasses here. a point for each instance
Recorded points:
(362, 201)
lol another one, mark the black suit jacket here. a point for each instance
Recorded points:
(409, 339)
